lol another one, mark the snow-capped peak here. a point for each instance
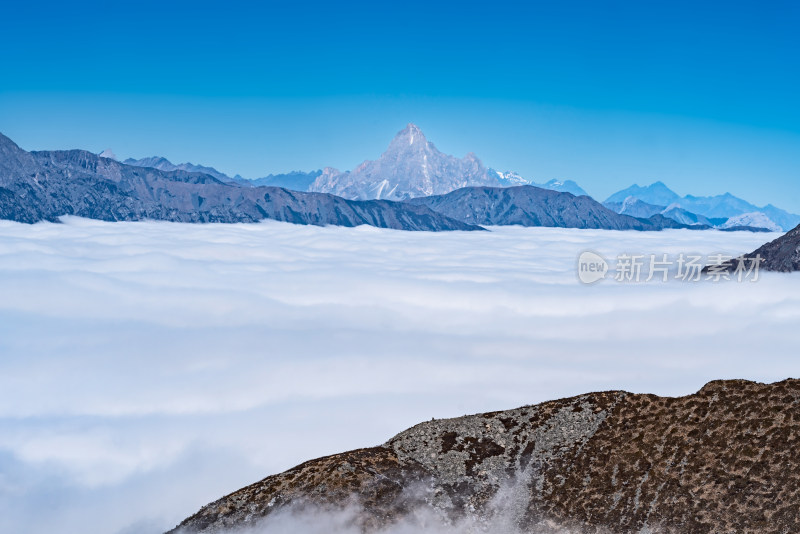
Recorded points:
(755, 219)
(108, 153)
(410, 135)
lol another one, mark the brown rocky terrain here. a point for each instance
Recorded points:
(723, 460)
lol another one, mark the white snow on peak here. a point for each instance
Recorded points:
(381, 187)
(755, 219)
(629, 201)
(108, 153)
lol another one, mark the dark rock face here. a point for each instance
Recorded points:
(532, 206)
(724, 460)
(36, 186)
(782, 255)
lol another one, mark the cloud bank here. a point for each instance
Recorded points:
(149, 368)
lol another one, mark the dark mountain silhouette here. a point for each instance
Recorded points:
(532, 206)
(782, 255)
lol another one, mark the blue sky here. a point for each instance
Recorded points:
(703, 97)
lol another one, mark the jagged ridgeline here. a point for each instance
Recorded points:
(724, 460)
(38, 186)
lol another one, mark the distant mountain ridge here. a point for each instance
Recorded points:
(412, 167)
(295, 180)
(45, 185)
(725, 206)
(38, 186)
(634, 207)
(563, 186)
(638, 208)
(511, 179)
(657, 194)
(527, 205)
(163, 164)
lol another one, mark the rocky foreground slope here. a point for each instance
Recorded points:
(724, 460)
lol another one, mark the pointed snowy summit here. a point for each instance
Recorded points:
(408, 139)
(410, 167)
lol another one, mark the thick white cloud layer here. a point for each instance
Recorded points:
(148, 368)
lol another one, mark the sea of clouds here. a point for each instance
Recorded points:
(149, 368)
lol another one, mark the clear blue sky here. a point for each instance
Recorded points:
(701, 95)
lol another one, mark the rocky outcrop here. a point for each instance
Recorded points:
(724, 460)
(781, 255)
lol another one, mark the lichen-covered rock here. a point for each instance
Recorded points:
(724, 460)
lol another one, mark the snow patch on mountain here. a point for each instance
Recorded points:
(753, 220)
(108, 153)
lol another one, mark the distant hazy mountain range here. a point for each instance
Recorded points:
(430, 190)
(724, 211)
(412, 167)
(510, 179)
(295, 180)
(36, 186)
(164, 164)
